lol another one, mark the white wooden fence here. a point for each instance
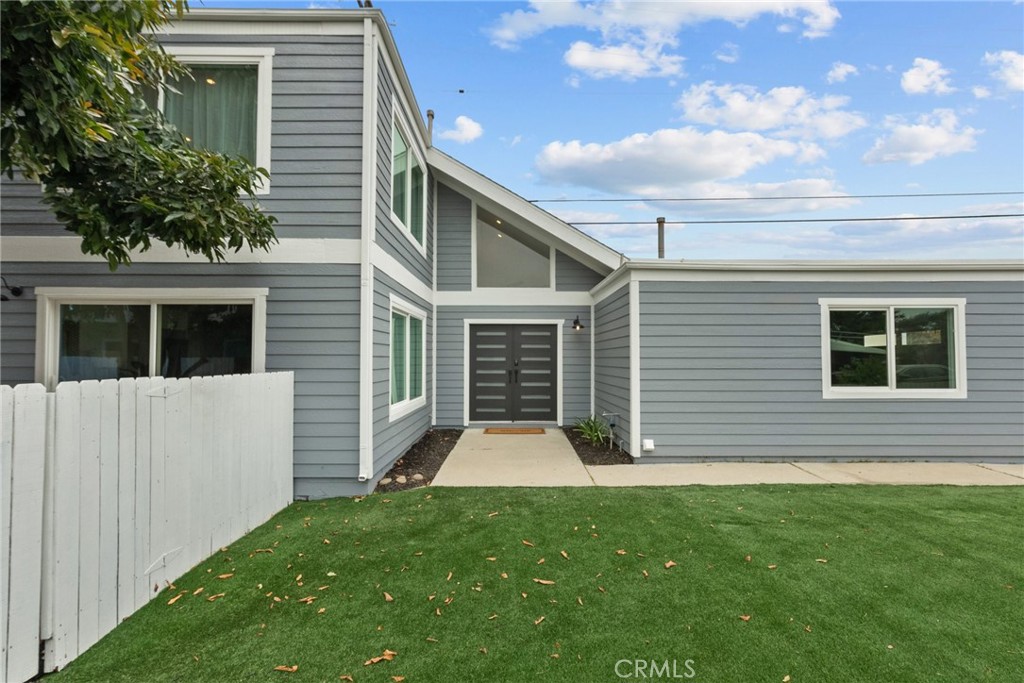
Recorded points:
(112, 488)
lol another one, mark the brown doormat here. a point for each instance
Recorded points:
(514, 430)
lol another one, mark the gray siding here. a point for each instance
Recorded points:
(312, 329)
(392, 439)
(733, 370)
(454, 241)
(611, 361)
(573, 276)
(316, 140)
(395, 239)
(450, 350)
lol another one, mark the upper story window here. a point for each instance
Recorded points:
(226, 106)
(883, 348)
(408, 183)
(508, 257)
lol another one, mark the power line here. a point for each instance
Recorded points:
(761, 199)
(808, 220)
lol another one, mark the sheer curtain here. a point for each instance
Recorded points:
(217, 111)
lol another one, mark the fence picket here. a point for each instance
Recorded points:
(112, 488)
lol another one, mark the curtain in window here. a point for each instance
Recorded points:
(398, 352)
(217, 111)
(415, 357)
(399, 168)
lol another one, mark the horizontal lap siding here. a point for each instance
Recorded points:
(450, 357)
(392, 439)
(316, 140)
(454, 241)
(733, 370)
(611, 361)
(395, 239)
(312, 329)
(573, 276)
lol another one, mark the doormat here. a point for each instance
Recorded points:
(514, 430)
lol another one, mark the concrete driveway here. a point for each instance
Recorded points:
(548, 459)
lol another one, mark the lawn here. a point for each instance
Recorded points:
(761, 583)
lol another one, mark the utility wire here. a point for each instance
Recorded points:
(760, 199)
(806, 220)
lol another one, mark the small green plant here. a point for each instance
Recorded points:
(593, 429)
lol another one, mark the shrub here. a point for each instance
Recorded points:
(593, 429)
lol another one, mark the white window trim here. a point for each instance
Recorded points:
(519, 293)
(958, 305)
(50, 299)
(398, 121)
(397, 411)
(263, 58)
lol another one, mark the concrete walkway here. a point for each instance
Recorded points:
(548, 459)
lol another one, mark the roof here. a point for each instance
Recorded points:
(495, 197)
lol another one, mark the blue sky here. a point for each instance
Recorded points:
(651, 100)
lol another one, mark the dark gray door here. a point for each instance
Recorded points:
(513, 373)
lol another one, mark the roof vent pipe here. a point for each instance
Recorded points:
(430, 127)
(661, 236)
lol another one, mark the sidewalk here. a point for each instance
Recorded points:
(548, 459)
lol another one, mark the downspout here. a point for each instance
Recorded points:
(367, 234)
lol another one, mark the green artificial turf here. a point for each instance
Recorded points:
(847, 583)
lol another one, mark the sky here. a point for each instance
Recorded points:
(645, 101)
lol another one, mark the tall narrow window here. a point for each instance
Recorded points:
(415, 358)
(407, 359)
(408, 185)
(882, 349)
(399, 354)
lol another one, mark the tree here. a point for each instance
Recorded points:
(72, 115)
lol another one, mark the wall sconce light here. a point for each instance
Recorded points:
(15, 291)
(576, 324)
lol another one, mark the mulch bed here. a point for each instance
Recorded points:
(596, 455)
(424, 457)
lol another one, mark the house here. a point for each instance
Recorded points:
(409, 290)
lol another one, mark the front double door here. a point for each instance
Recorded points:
(513, 373)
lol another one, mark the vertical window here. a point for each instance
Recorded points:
(407, 358)
(226, 106)
(880, 349)
(408, 185)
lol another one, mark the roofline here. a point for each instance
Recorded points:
(752, 270)
(313, 16)
(586, 247)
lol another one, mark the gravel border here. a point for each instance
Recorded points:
(423, 459)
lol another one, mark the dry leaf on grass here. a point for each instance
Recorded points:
(527, 543)
(644, 572)
(431, 639)
(540, 561)
(748, 558)
(822, 560)
(579, 600)
(226, 576)
(745, 617)
(331, 574)
(197, 591)
(346, 677)
(214, 597)
(449, 576)
(308, 599)
(321, 610)
(385, 656)
(387, 597)
(564, 554)
(398, 679)
(504, 575)
(786, 679)
(537, 621)
(491, 559)
(773, 566)
(494, 514)
(670, 564)
(287, 669)
(544, 582)
(620, 551)
(176, 598)
(493, 616)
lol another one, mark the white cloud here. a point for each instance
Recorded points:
(938, 134)
(981, 92)
(636, 36)
(1009, 68)
(926, 76)
(728, 53)
(466, 130)
(840, 71)
(791, 111)
(624, 61)
(665, 161)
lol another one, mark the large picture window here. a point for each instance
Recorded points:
(893, 349)
(110, 334)
(225, 107)
(407, 355)
(508, 257)
(408, 184)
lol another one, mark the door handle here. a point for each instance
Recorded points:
(510, 377)
(517, 376)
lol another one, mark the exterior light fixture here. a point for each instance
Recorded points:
(576, 324)
(15, 291)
